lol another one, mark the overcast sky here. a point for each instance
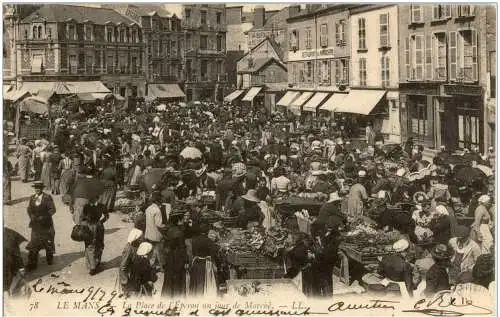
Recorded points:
(177, 8)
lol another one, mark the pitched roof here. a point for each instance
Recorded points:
(52, 12)
(260, 63)
(276, 21)
(276, 47)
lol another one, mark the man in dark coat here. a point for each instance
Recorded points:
(41, 208)
(437, 278)
(395, 267)
(94, 215)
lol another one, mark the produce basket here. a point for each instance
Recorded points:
(356, 253)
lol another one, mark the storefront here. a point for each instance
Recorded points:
(448, 115)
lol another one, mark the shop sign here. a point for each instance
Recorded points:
(311, 54)
(462, 90)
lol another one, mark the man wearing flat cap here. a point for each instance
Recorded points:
(41, 208)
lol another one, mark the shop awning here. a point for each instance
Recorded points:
(288, 98)
(332, 102)
(15, 95)
(232, 96)
(301, 99)
(164, 91)
(360, 101)
(36, 64)
(82, 87)
(33, 87)
(251, 93)
(313, 103)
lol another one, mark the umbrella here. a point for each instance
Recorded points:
(34, 104)
(88, 188)
(153, 177)
(191, 153)
(468, 175)
(485, 169)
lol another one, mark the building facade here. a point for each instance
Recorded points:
(443, 75)
(63, 43)
(262, 67)
(318, 56)
(204, 28)
(375, 63)
(270, 24)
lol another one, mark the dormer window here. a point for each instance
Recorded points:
(109, 33)
(37, 32)
(134, 36)
(89, 32)
(71, 31)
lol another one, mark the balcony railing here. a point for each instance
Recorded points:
(440, 73)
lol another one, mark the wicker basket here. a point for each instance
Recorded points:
(230, 222)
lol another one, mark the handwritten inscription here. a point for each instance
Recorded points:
(373, 304)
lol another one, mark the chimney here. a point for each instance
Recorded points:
(293, 10)
(259, 15)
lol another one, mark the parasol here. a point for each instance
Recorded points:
(191, 153)
(485, 169)
(88, 188)
(34, 104)
(468, 175)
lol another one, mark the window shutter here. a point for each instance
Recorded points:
(453, 55)
(410, 14)
(419, 56)
(447, 10)
(360, 44)
(337, 35)
(387, 71)
(435, 12)
(428, 57)
(337, 71)
(474, 55)
(407, 58)
(382, 70)
(388, 30)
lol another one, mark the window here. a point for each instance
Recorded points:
(416, 13)
(294, 40)
(110, 63)
(441, 12)
(188, 14)
(134, 91)
(361, 34)
(155, 47)
(338, 72)
(324, 35)
(308, 38)
(418, 114)
(339, 33)
(109, 34)
(49, 33)
(465, 10)
(384, 63)
(123, 91)
(468, 131)
(71, 32)
(384, 30)
(134, 36)
(362, 72)
(203, 42)
(414, 57)
(121, 34)
(466, 55)
(345, 71)
(73, 64)
(218, 17)
(325, 71)
(204, 69)
(219, 43)
(88, 33)
(342, 71)
(439, 47)
(309, 70)
(203, 17)
(174, 47)
(37, 32)
(89, 64)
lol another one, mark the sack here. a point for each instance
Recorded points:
(81, 233)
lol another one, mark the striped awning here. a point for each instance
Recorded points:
(165, 91)
(302, 99)
(288, 98)
(332, 102)
(82, 87)
(232, 96)
(314, 102)
(251, 93)
(360, 101)
(15, 95)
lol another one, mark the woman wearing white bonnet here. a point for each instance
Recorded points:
(128, 254)
(357, 195)
(483, 221)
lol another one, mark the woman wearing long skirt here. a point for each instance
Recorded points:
(55, 173)
(202, 255)
(174, 284)
(108, 176)
(23, 155)
(45, 177)
(67, 174)
(7, 188)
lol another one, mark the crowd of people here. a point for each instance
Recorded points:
(250, 160)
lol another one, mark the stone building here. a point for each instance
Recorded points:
(80, 47)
